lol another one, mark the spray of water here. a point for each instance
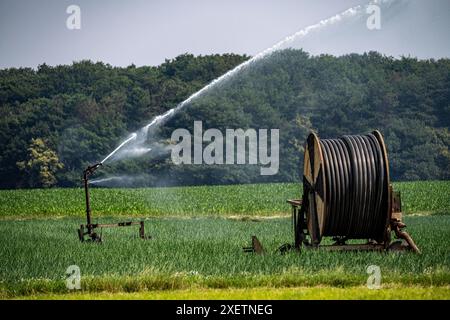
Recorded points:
(103, 181)
(122, 181)
(117, 181)
(137, 147)
(131, 137)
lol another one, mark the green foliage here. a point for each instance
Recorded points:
(392, 292)
(235, 200)
(204, 253)
(192, 252)
(41, 165)
(84, 110)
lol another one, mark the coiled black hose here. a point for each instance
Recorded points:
(356, 194)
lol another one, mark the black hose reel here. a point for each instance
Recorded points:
(347, 195)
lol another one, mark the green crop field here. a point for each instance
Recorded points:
(196, 246)
(256, 199)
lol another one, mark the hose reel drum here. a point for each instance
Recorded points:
(347, 195)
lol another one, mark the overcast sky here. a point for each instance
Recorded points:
(147, 32)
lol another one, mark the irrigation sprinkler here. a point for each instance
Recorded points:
(89, 229)
(347, 195)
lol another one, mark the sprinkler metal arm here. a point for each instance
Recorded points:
(86, 173)
(90, 170)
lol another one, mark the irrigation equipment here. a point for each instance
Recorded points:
(89, 229)
(347, 195)
(256, 247)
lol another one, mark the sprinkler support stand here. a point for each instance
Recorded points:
(89, 228)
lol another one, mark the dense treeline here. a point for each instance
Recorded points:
(56, 120)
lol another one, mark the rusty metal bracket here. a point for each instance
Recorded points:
(89, 230)
(255, 248)
(397, 226)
